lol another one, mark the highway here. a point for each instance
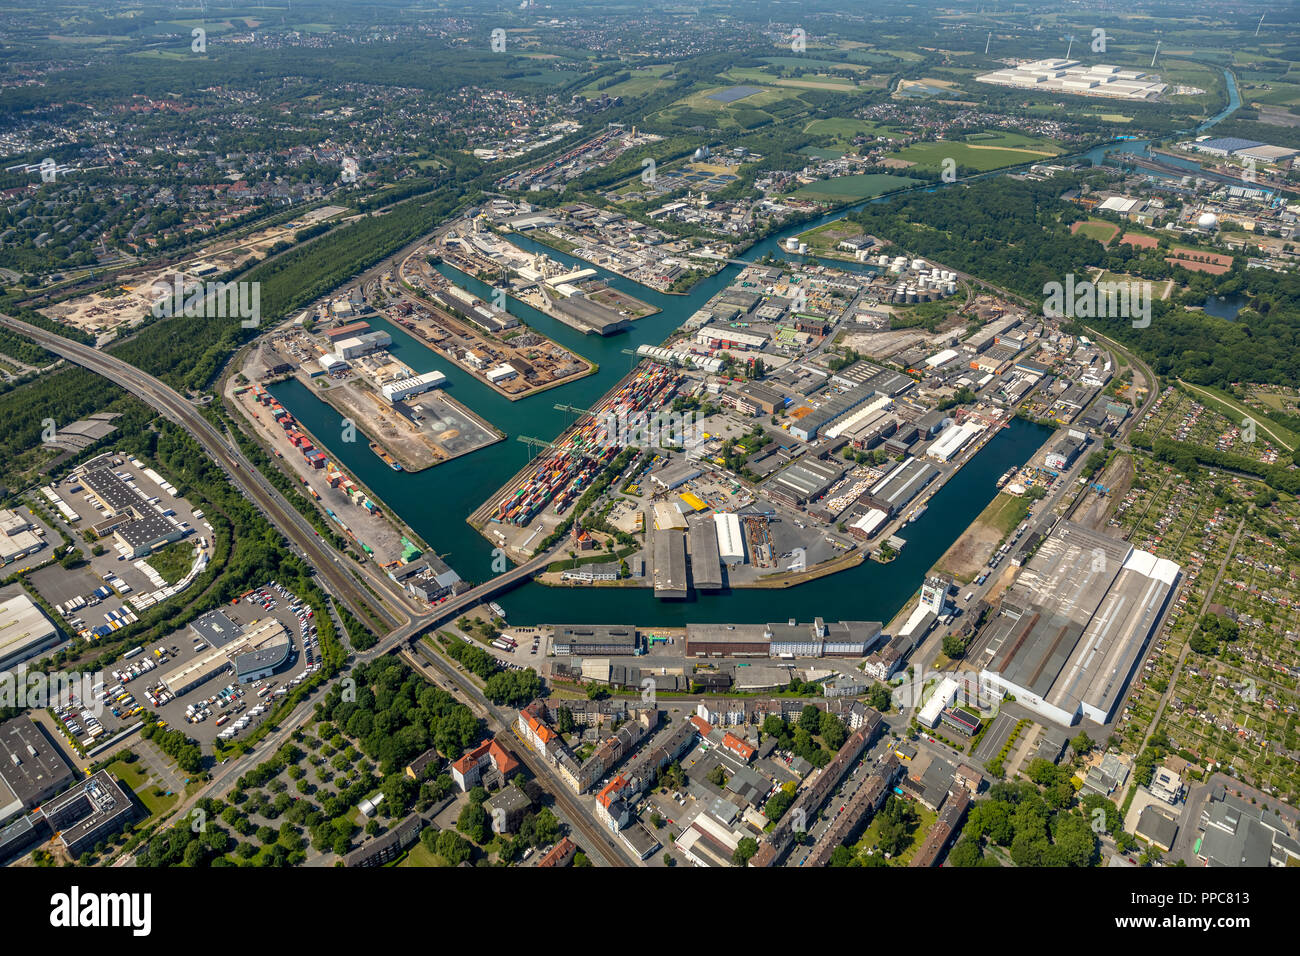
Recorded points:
(407, 627)
(248, 479)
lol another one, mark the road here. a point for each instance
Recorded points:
(245, 477)
(594, 838)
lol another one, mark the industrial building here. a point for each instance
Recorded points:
(228, 644)
(706, 563)
(427, 577)
(953, 440)
(908, 478)
(362, 344)
(90, 812)
(670, 580)
(805, 480)
(136, 524)
(832, 407)
(1074, 627)
(19, 537)
(404, 388)
(787, 639)
(25, 631)
(32, 768)
(585, 640)
(1070, 76)
(731, 542)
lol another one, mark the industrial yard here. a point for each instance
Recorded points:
(484, 339)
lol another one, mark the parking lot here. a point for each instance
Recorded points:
(218, 706)
(103, 594)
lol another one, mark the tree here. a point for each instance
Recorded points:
(954, 646)
(473, 821)
(452, 848)
(810, 719)
(745, 849)
(1081, 743)
(717, 776)
(833, 731)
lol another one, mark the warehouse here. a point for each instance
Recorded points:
(32, 769)
(363, 344)
(893, 492)
(950, 442)
(229, 643)
(18, 537)
(706, 563)
(716, 337)
(670, 565)
(805, 480)
(404, 388)
(25, 631)
(728, 640)
(676, 474)
(137, 525)
(731, 543)
(582, 640)
(1073, 629)
(832, 407)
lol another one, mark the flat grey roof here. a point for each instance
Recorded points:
(215, 628)
(706, 564)
(31, 766)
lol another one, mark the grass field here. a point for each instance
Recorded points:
(854, 187)
(135, 776)
(419, 855)
(1104, 232)
(1005, 512)
(641, 81)
(822, 153)
(845, 129)
(813, 81)
(699, 109)
(173, 562)
(970, 156)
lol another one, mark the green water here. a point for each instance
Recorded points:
(435, 502)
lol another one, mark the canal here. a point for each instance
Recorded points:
(435, 502)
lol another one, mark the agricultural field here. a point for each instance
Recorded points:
(854, 188)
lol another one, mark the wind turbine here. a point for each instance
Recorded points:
(1154, 55)
(1260, 24)
(987, 42)
(1070, 46)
